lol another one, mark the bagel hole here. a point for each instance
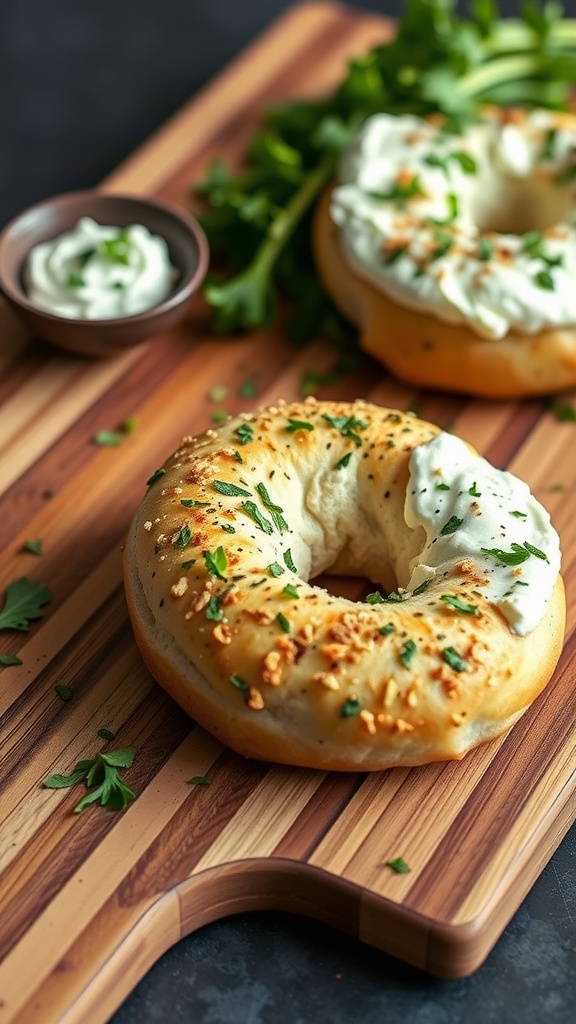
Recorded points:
(352, 588)
(512, 206)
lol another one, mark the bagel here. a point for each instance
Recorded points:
(449, 652)
(455, 255)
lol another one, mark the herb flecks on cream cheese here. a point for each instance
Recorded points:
(493, 521)
(477, 229)
(99, 272)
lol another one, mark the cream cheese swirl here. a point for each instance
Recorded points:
(477, 229)
(471, 511)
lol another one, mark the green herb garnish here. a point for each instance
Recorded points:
(275, 569)
(216, 562)
(474, 492)
(459, 605)
(284, 623)
(294, 425)
(343, 462)
(399, 865)
(421, 587)
(247, 388)
(64, 692)
(101, 777)
(214, 609)
(485, 249)
(291, 591)
(442, 487)
(352, 706)
(106, 734)
(387, 629)
(374, 598)
(194, 503)
(183, 537)
(252, 510)
(239, 684)
(227, 527)
(198, 780)
(563, 411)
(288, 560)
(455, 660)
(518, 553)
(156, 475)
(23, 604)
(244, 433)
(107, 438)
(75, 280)
(407, 652)
(275, 511)
(453, 524)
(10, 659)
(34, 546)
(347, 426)
(231, 490)
(116, 250)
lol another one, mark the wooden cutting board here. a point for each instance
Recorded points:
(89, 902)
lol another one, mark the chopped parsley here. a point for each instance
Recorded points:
(518, 553)
(455, 660)
(442, 487)
(24, 602)
(399, 865)
(453, 524)
(387, 629)
(275, 569)
(183, 537)
(244, 433)
(198, 780)
(347, 426)
(155, 476)
(101, 777)
(294, 425)
(289, 561)
(343, 462)
(34, 546)
(231, 490)
(352, 706)
(375, 598)
(10, 659)
(474, 492)
(421, 587)
(252, 510)
(64, 692)
(275, 511)
(216, 562)
(407, 652)
(291, 591)
(544, 280)
(239, 684)
(519, 515)
(284, 623)
(459, 605)
(214, 609)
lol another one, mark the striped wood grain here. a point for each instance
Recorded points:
(89, 902)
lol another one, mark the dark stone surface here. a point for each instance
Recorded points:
(82, 84)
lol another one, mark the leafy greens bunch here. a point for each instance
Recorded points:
(259, 220)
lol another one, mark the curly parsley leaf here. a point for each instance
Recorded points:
(24, 602)
(101, 777)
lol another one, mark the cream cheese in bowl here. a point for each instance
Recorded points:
(100, 272)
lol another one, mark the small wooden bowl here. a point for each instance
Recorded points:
(49, 219)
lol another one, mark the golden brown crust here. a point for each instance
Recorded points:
(297, 675)
(425, 351)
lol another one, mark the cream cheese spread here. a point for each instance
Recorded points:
(469, 510)
(478, 228)
(99, 272)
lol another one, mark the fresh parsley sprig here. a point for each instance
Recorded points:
(259, 220)
(101, 777)
(24, 602)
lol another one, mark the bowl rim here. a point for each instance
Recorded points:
(184, 289)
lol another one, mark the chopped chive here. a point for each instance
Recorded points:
(421, 587)
(275, 511)
(239, 684)
(284, 623)
(291, 591)
(193, 503)
(275, 569)
(343, 462)
(289, 561)
(407, 652)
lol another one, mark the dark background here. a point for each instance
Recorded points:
(82, 83)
